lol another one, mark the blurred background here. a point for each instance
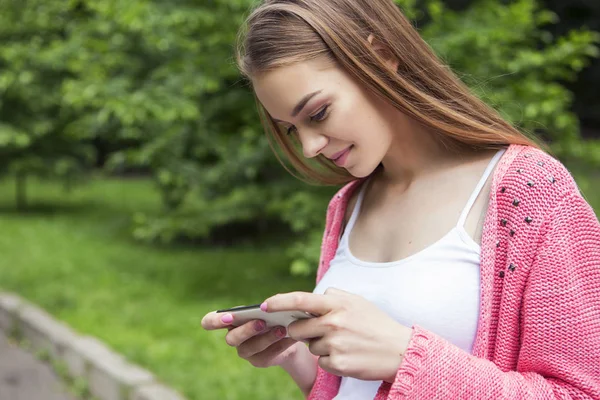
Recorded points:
(138, 191)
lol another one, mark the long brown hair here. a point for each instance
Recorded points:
(282, 32)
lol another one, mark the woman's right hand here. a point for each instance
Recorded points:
(262, 347)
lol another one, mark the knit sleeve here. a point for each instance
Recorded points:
(559, 355)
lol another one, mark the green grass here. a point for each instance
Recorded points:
(72, 255)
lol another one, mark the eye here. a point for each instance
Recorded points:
(291, 130)
(320, 116)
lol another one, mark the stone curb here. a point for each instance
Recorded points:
(109, 375)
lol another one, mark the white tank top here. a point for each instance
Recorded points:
(436, 288)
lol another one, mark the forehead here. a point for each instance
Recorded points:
(279, 90)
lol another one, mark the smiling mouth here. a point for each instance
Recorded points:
(340, 158)
(338, 155)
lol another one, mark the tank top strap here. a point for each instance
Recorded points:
(463, 216)
(479, 187)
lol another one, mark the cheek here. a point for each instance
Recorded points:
(359, 119)
(372, 131)
(348, 124)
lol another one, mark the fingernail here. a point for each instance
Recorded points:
(259, 326)
(263, 306)
(280, 332)
(227, 319)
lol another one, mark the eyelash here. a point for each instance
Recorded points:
(319, 117)
(322, 113)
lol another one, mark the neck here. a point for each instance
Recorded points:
(413, 153)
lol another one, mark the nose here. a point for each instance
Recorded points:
(312, 142)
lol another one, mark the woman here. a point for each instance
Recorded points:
(459, 261)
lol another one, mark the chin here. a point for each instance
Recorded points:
(359, 171)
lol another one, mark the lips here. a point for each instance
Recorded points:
(340, 158)
(338, 154)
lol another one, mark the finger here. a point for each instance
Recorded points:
(317, 304)
(318, 347)
(338, 292)
(260, 343)
(306, 329)
(327, 364)
(261, 358)
(239, 335)
(214, 320)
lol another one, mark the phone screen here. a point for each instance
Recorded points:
(239, 308)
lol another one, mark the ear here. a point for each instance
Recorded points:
(384, 52)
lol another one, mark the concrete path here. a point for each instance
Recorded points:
(24, 377)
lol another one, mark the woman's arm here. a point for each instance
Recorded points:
(302, 367)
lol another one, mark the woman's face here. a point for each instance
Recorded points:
(331, 114)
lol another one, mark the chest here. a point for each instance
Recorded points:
(393, 227)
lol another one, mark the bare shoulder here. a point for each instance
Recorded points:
(351, 205)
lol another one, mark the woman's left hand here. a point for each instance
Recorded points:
(351, 336)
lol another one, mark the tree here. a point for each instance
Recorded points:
(506, 55)
(156, 81)
(500, 50)
(33, 138)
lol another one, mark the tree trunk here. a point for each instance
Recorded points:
(21, 192)
(68, 184)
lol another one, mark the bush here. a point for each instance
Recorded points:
(156, 81)
(500, 50)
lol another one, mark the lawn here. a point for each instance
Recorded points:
(73, 255)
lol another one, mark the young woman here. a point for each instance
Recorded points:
(460, 261)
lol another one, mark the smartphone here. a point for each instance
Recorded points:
(243, 314)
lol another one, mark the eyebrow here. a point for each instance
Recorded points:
(303, 102)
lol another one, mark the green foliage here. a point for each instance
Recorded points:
(33, 138)
(503, 53)
(155, 82)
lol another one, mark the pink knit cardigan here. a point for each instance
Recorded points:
(538, 335)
